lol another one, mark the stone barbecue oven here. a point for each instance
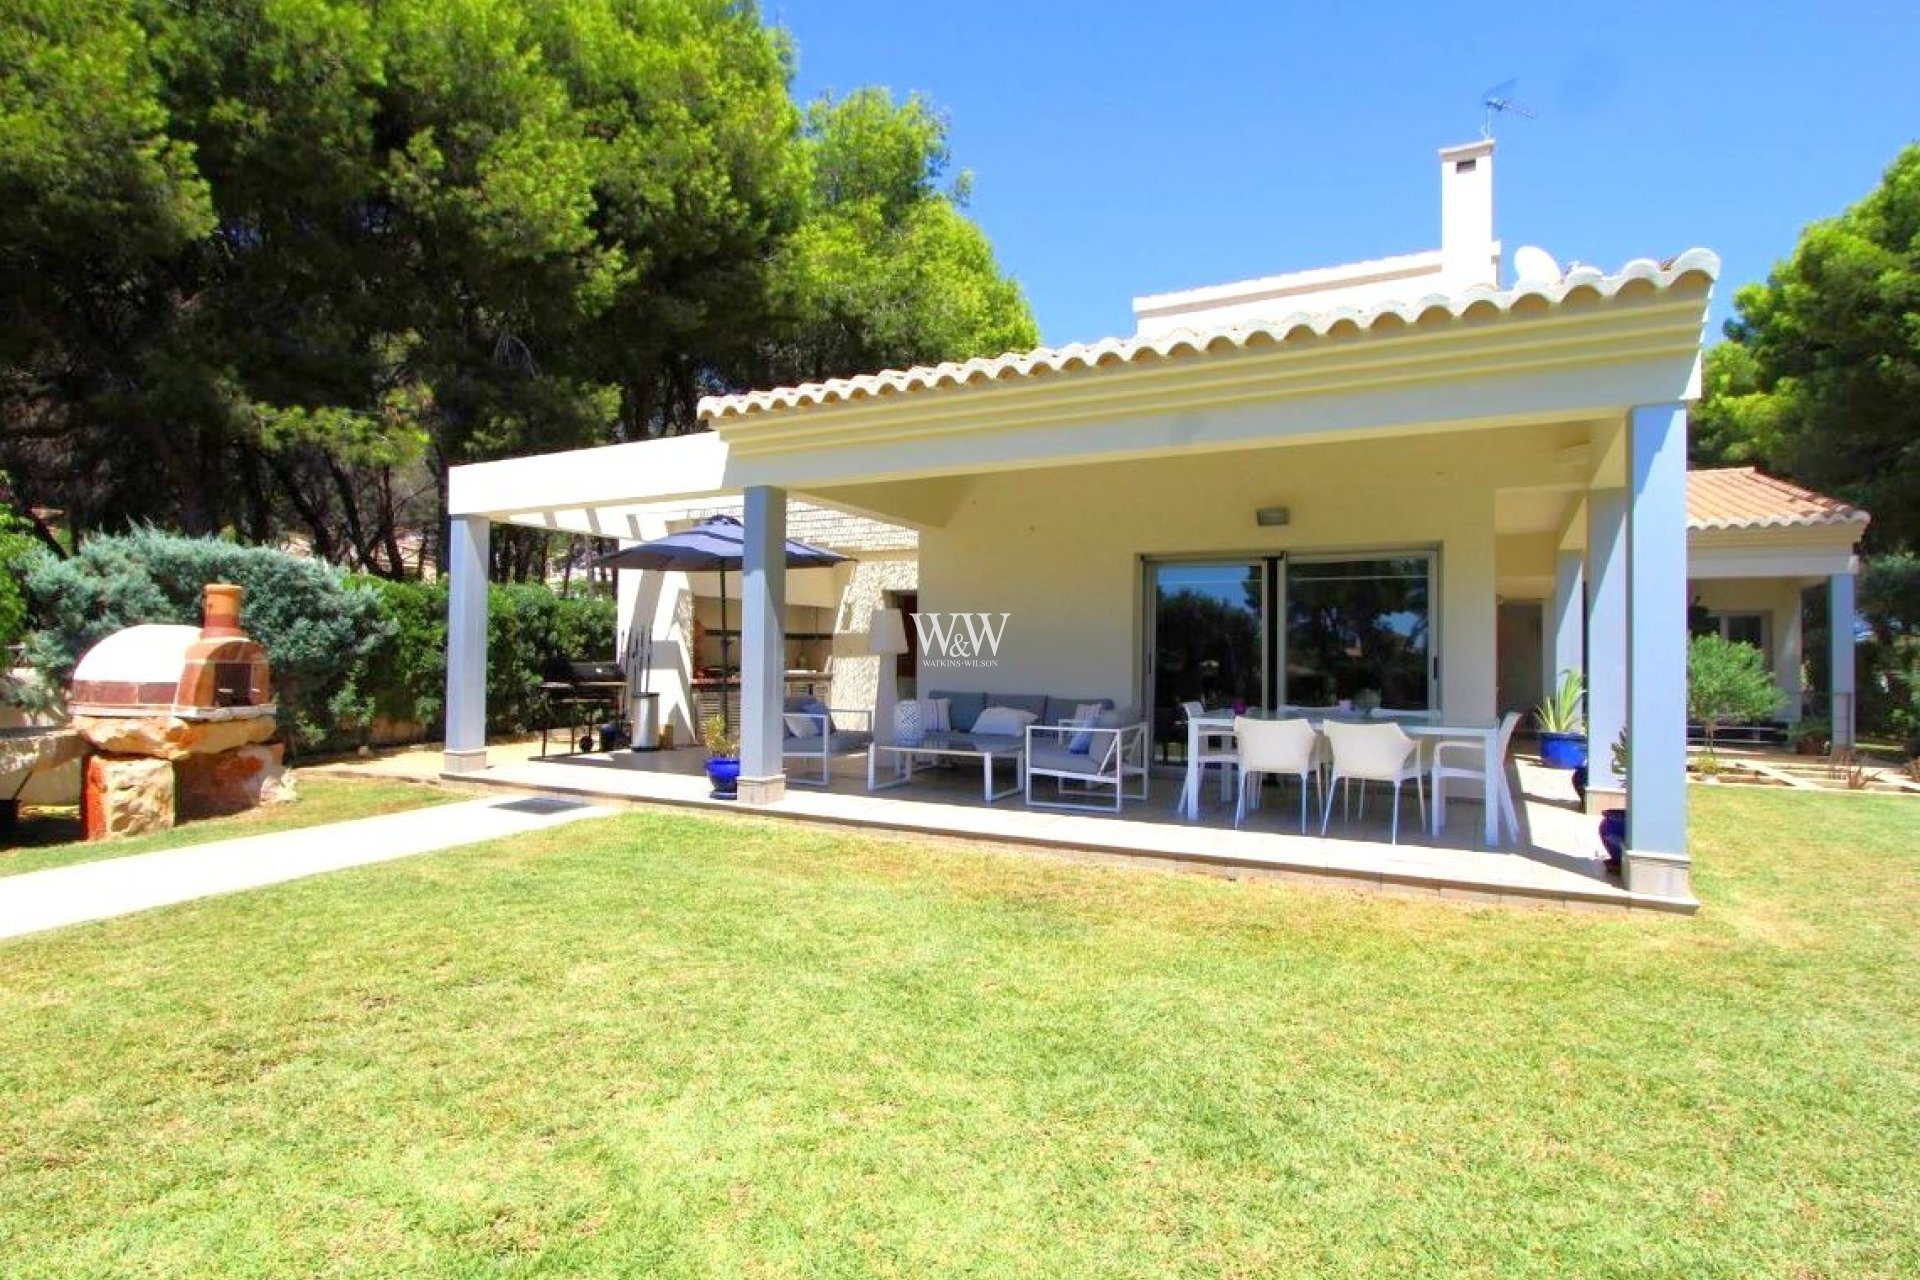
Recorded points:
(180, 718)
(213, 672)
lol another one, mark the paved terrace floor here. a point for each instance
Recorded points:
(1557, 863)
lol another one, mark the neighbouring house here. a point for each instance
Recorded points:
(1279, 490)
(1757, 546)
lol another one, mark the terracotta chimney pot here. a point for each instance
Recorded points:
(220, 611)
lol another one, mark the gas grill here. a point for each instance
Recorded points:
(583, 695)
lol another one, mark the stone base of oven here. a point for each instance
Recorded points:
(231, 782)
(172, 737)
(126, 796)
(133, 795)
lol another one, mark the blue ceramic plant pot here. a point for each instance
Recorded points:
(1563, 750)
(1613, 835)
(724, 773)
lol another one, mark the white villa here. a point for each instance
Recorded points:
(1480, 469)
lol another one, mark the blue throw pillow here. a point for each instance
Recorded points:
(813, 706)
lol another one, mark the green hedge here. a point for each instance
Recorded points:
(346, 651)
(527, 627)
(317, 628)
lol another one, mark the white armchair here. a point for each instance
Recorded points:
(1212, 749)
(1115, 757)
(1281, 747)
(1366, 753)
(828, 738)
(1466, 762)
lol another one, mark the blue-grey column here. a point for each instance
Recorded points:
(763, 646)
(1657, 860)
(466, 745)
(1606, 635)
(1566, 637)
(1840, 614)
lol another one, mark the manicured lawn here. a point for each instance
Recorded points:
(668, 1046)
(52, 838)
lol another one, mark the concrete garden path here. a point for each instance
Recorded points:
(38, 900)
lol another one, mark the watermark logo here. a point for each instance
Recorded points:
(960, 639)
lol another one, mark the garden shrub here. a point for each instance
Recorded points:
(528, 626)
(16, 547)
(1727, 683)
(316, 627)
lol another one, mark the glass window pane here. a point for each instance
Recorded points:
(1208, 641)
(1747, 628)
(1354, 625)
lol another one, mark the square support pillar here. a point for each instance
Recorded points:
(763, 646)
(1567, 624)
(1606, 643)
(466, 744)
(1844, 659)
(1656, 855)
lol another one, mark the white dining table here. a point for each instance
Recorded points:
(1484, 732)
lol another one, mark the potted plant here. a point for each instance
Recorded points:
(1366, 701)
(723, 758)
(1613, 822)
(1563, 726)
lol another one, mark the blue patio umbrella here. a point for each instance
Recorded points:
(715, 545)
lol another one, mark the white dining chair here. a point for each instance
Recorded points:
(1366, 753)
(1212, 749)
(1465, 761)
(1284, 748)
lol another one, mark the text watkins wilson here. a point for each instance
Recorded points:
(960, 639)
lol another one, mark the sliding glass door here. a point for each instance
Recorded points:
(1208, 641)
(1363, 624)
(1298, 630)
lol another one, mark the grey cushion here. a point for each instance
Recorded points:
(837, 742)
(1044, 757)
(962, 708)
(1034, 703)
(807, 702)
(1119, 717)
(1060, 710)
(995, 741)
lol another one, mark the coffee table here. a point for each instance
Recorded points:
(907, 760)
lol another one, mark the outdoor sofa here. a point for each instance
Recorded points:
(1082, 756)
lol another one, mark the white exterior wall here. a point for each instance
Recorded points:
(1061, 550)
(1468, 257)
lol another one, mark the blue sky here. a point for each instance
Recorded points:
(1122, 148)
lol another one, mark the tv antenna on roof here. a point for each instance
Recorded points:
(1500, 99)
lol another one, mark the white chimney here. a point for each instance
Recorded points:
(1469, 255)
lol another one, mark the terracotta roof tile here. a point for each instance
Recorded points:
(1746, 498)
(1581, 282)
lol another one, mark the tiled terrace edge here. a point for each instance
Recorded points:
(1362, 865)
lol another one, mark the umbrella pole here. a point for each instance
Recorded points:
(726, 669)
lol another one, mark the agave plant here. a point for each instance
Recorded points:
(1563, 712)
